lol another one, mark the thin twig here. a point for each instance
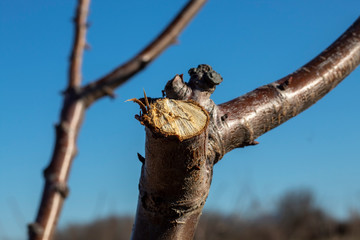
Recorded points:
(56, 174)
(79, 43)
(120, 75)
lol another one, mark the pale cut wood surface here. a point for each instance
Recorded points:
(183, 119)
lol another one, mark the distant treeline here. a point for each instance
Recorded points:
(296, 217)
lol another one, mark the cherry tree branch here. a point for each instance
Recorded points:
(106, 85)
(247, 117)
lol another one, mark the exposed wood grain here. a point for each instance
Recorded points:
(181, 119)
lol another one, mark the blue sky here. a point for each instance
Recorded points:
(250, 43)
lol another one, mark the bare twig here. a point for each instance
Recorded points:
(120, 75)
(265, 108)
(76, 100)
(79, 43)
(56, 174)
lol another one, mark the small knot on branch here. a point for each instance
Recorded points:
(88, 24)
(87, 46)
(110, 92)
(72, 93)
(284, 83)
(224, 117)
(62, 127)
(62, 189)
(35, 229)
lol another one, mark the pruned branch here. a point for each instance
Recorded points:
(123, 73)
(177, 170)
(77, 99)
(255, 113)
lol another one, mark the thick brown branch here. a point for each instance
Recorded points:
(79, 43)
(181, 149)
(120, 75)
(249, 116)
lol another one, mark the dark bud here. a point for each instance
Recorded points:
(213, 78)
(204, 77)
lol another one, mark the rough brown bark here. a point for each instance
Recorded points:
(171, 201)
(77, 99)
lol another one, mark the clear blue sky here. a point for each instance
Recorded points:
(250, 43)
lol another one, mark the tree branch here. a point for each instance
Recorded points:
(72, 113)
(253, 114)
(79, 43)
(107, 84)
